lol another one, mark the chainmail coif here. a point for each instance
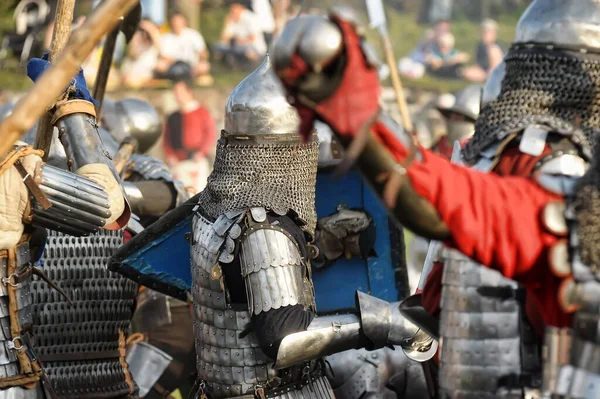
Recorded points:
(280, 177)
(556, 88)
(586, 205)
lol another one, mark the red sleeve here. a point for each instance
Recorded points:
(493, 219)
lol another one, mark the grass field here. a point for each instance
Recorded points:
(404, 32)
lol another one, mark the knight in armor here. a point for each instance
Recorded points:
(506, 255)
(151, 191)
(252, 291)
(83, 350)
(460, 119)
(166, 323)
(37, 196)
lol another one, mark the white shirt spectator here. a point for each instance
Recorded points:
(185, 47)
(248, 25)
(264, 12)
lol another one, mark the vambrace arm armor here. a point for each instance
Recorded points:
(150, 187)
(149, 198)
(277, 274)
(87, 156)
(378, 324)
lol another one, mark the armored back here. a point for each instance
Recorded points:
(83, 346)
(486, 341)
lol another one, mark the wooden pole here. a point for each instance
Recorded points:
(397, 83)
(104, 70)
(53, 81)
(62, 29)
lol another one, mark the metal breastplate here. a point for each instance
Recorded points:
(9, 364)
(230, 361)
(486, 345)
(82, 346)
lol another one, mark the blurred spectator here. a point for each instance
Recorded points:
(190, 138)
(182, 49)
(264, 14)
(489, 54)
(142, 56)
(242, 42)
(413, 66)
(445, 61)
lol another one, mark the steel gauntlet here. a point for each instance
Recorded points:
(378, 324)
(66, 202)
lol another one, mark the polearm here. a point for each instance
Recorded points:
(104, 70)
(62, 29)
(56, 78)
(377, 20)
(128, 26)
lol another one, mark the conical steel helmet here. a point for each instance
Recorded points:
(258, 106)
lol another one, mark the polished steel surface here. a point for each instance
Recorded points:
(133, 117)
(258, 106)
(561, 22)
(467, 102)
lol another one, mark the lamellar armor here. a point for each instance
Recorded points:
(547, 98)
(82, 343)
(76, 204)
(250, 233)
(253, 217)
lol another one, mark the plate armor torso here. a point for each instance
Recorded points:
(230, 361)
(82, 346)
(487, 345)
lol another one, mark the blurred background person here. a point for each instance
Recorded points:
(242, 42)
(142, 55)
(446, 61)
(414, 65)
(180, 49)
(488, 54)
(190, 138)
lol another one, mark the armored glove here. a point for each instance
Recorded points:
(346, 233)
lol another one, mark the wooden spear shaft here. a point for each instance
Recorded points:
(104, 69)
(62, 29)
(396, 82)
(55, 79)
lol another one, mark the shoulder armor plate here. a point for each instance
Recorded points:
(273, 268)
(212, 243)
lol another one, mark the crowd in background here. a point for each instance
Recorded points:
(169, 51)
(436, 54)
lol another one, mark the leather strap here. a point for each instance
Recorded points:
(73, 107)
(32, 186)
